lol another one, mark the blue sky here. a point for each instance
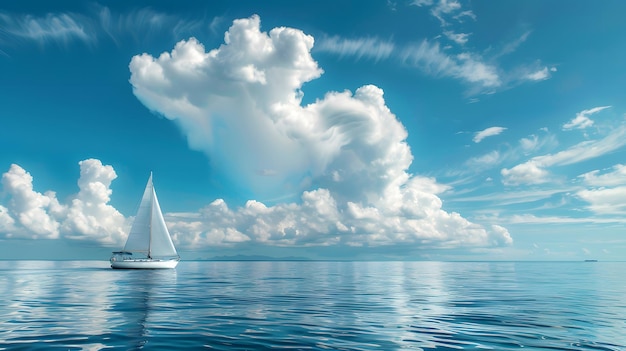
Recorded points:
(443, 130)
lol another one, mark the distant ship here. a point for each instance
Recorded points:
(148, 239)
(591, 260)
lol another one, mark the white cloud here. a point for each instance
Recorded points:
(616, 177)
(30, 214)
(605, 200)
(459, 38)
(363, 47)
(89, 216)
(491, 131)
(411, 215)
(318, 221)
(541, 74)
(7, 223)
(473, 69)
(346, 152)
(534, 143)
(609, 197)
(487, 160)
(529, 144)
(525, 173)
(582, 120)
(533, 171)
(587, 149)
(447, 6)
(445, 9)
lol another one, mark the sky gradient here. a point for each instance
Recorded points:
(413, 130)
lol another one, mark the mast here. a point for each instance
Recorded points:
(151, 210)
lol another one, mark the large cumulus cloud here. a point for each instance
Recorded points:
(345, 153)
(29, 214)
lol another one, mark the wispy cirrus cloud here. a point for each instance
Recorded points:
(431, 59)
(487, 160)
(616, 177)
(512, 46)
(216, 22)
(60, 27)
(425, 56)
(530, 219)
(64, 28)
(527, 145)
(587, 149)
(488, 132)
(145, 22)
(460, 17)
(444, 10)
(459, 38)
(582, 120)
(534, 170)
(479, 70)
(374, 48)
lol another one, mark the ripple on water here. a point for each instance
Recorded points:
(314, 306)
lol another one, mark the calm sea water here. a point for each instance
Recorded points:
(314, 306)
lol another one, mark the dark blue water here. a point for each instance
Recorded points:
(314, 306)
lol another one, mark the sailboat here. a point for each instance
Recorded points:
(149, 245)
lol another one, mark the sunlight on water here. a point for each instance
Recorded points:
(314, 305)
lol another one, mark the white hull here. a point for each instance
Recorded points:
(144, 263)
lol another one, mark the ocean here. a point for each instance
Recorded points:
(313, 305)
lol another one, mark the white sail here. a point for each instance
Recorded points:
(149, 234)
(161, 244)
(139, 236)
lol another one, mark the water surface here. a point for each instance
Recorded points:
(85, 305)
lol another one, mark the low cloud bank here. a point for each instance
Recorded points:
(411, 216)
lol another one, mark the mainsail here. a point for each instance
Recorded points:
(149, 234)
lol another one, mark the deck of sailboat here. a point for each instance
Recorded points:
(144, 263)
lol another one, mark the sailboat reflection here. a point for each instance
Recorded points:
(138, 303)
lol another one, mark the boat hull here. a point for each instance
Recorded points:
(144, 264)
